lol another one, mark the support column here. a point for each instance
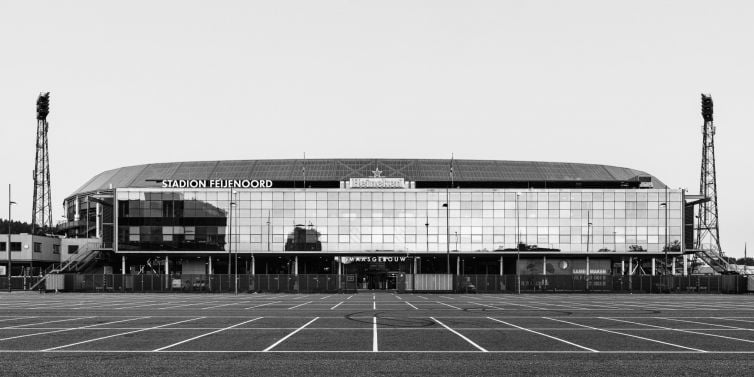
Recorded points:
(622, 266)
(653, 266)
(544, 265)
(123, 265)
(416, 265)
(685, 265)
(501, 265)
(295, 265)
(253, 264)
(97, 221)
(458, 265)
(167, 272)
(209, 265)
(630, 266)
(673, 266)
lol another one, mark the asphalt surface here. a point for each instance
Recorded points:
(375, 334)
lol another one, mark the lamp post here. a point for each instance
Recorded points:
(588, 235)
(235, 252)
(447, 232)
(518, 248)
(427, 226)
(665, 231)
(10, 203)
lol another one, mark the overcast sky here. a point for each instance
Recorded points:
(605, 82)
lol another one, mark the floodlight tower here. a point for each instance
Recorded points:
(42, 203)
(708, 230)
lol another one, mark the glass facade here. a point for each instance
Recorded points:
(410, 220)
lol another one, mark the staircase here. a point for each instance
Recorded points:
(714, 260)
(88, 254)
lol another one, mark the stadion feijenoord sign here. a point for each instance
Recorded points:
(216, 183)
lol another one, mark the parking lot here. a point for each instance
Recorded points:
(484, 332)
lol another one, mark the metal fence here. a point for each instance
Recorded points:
(330, 283)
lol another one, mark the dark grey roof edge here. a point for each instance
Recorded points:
(608, 170)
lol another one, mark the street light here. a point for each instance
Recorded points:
(665, 230)
(588, 235)
(235, 252)
(518, 248)
(447, 233)
(10, 203)
(427, 226)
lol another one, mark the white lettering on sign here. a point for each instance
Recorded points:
(216, 183)
(378, 182)
(373, 259)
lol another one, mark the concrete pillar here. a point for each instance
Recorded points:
(685, 265)
(97, 222)
(416, 265)
(458, 265)
(622, 266)
(76, 216)
(544, 265)
(253, 264)
(295, 265)
(630, 266)
(501, 265)
(673, 266)
(653, 267)
(167, 265)
(123, 264)
(209, 266)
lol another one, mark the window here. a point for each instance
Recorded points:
(15, 246)
(56, 249)
(37, 247)
(2, 246)
(73, 249)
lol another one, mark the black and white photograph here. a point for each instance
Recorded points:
(376, 188)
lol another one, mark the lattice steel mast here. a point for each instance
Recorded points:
(42, 204)
(708, 230)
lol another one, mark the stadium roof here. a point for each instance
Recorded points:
(334, 170)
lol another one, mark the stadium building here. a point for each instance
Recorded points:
(378, 218)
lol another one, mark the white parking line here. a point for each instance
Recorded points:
(489, 306)
(374, 305)
(289, 335)
(209, 333)
(459, 334)
(338, 304)
(704, 323)
(374, 334)
(629, 335)
(326, 297)
(119, 334)
(256, 306)
(42, 323)
(293, 307)
(543, 334)
(219, 306)
(409, 304)
(71, 329)
(680, 330)
(17, 318)
(454, 307)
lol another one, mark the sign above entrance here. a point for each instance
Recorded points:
(216, 183)
(349, 259)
